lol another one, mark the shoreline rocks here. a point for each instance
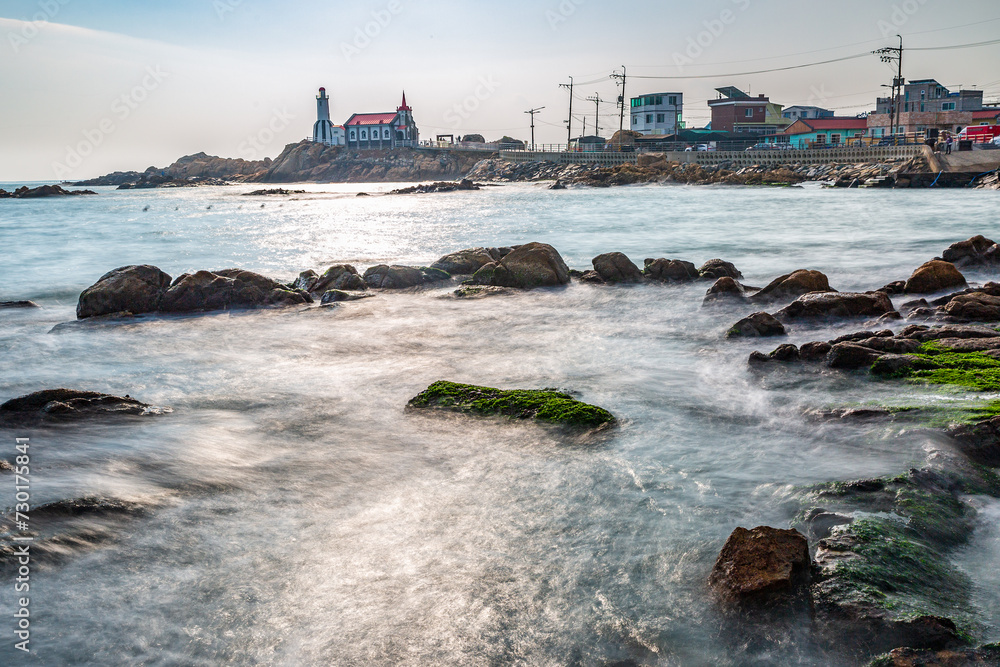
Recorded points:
(24, 192)
(760, 562)
(68, 405)
(527, 266)
(540, 405)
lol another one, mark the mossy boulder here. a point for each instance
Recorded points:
(543, 405)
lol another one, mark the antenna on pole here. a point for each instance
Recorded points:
(569, 123)
(533, 112)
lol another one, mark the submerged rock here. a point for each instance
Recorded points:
(225, 290)
(468, 261)
(725, 291)
(975, 307)
(757, 325)
(68, 405)
(339, 277)
(714, 269)
(335, 295)
(976, 251)
(542, 405)
(18, 304)
(670, 270)
(837, 304)
(761, 561)
(980, 442)
(133, 289)
(984, 656)
(527, 266)
(401, 277)
(616, 267)
(792, 285)
(934, 276)
(480, 291)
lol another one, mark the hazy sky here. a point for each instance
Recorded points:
(91, 87)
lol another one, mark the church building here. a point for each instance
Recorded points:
(382, 130)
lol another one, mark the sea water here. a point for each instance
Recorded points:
(298, 515)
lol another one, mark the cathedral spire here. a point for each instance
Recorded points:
(403, 107)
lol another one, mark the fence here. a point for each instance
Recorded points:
(844, 154)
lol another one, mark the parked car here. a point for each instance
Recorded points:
(700, 148)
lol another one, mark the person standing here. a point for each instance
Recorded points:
(947, 145)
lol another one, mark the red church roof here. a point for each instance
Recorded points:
(371, 118)
(403, 107)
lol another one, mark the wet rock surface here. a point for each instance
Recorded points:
(757, 325)
(759, 562)
(401, 277)
(791, 286)
(934, 276)
(670, 270)
(61, 405)
(24, 192)
(529, 265)
(616, 267)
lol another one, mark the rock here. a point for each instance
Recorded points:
(339, 276)
(850, 355)
(975, 251)
(527, 266)
(558, 185)
(975, 307)
(400, 277)
(18, 304)
(984, 656)
(24, 192)
(615, 267)
(760, 561)
(913, 305)
(714, 269)
(465, 262)
(592, 277)
(670, 270)
(69, 404)
(893, 365)
(814, 351)
(786, 352)
(837, 304)
(227, 289)
(980, 442)
(891, 344)
(934, 276)
(820, 522)
(306, 281)
(756, 325)
(335, 295)
(725, 291)
(924, 333)
(895, 287)
(542, 405)
(792, 285)
(480, 291)
(132, 289)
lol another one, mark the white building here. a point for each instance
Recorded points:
(657, 113)
(383, 130)
(324, 131)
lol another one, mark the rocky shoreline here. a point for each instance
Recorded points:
(870, 559)
(653, 168)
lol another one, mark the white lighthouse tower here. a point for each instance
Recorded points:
(324, 131)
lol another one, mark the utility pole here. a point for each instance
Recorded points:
(888, 55)
(569, 123)
(621, 102)
(596, 99)
(533, 112)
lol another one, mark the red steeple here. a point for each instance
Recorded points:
(403, 106)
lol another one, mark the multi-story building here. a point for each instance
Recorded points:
(821, 132)
(735, 111)
(799, 112)
(925, 105)
(657, 113)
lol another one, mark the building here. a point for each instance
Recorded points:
(735, 111)
(383, 130)
(819, 132)
(986, 116)
(925, 105)
(657, 113)
(798, 112)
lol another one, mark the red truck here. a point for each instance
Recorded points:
(980, 134)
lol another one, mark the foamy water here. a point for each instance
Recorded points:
(299, 516)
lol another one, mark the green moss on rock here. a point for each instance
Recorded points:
(543, 405)
(939, 365)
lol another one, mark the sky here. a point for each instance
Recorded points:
(87, 88)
